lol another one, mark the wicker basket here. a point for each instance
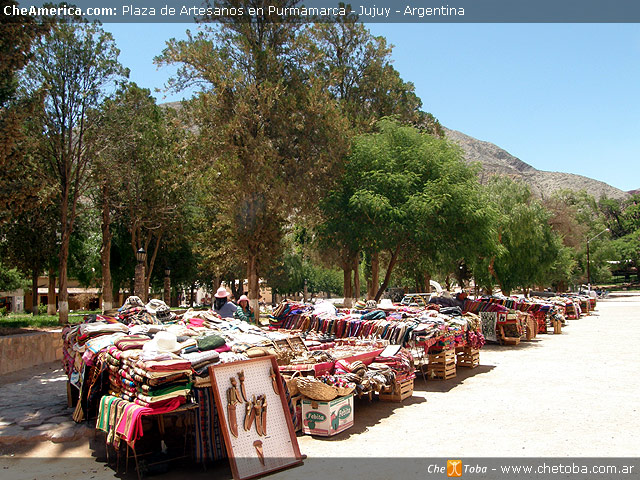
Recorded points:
(316, 390)
(292, 384)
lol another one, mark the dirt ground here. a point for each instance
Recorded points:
(569, 395)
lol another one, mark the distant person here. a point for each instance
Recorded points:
(244, 311)
(221, 304)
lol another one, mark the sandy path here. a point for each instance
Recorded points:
(561, 395)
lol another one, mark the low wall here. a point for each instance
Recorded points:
(29, 349)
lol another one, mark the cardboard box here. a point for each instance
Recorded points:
(327, 418)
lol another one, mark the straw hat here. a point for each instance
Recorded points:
(163, 342)
(222, 293)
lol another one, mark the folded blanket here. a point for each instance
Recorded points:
(158, 398)
(164, 365)
(156, 375)
(210, 342)
(163, 406)
(131, 342)
(163, 389)
(208, 356)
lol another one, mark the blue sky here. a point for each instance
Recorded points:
(561, 97)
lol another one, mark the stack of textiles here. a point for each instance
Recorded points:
(69, 335)
(160, 377)
(97, 344)
(200, 362)
(354, 326)
(82, 343)
(480, 305)
(114, 364)
(401, 363)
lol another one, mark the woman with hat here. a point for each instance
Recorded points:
(244, 311)
(221, 304)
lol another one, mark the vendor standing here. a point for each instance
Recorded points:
(244, 311)
(221, 304)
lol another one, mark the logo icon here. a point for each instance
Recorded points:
(454, 468)
(344, 412)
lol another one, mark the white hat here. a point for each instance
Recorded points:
(385, 303)
(163, 342)
(222, 293)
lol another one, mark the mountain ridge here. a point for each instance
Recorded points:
(497, 161)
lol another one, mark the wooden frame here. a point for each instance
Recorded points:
(280, 444)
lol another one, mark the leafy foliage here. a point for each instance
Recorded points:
(263, 123)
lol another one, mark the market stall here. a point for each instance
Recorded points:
(128, 370)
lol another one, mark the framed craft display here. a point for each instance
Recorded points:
(254, 417)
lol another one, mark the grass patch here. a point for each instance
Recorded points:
(23, 320)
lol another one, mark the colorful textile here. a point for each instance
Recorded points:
(131, 342)
(208, 440)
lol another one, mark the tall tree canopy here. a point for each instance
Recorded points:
(265, 124)
(73, 65)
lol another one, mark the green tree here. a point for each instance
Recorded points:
(263, 121)
(29, 244)
(11, 279)
(21, 187)
(407, 192)
(530, 247)
(73, 65)
(140, 173)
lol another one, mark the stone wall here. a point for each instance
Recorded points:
(29, 349)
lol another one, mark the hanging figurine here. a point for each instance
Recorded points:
(243, 392)
(231, 412)
(274, 382)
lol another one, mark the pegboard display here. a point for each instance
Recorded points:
(257, 427)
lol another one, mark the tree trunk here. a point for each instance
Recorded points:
(166, 293)
(375, 276)
(254, 284)
(34, 291)
(149, 269)
(51, 294)
(105, 252)
(356, 277)
(236, 290)
(192, 290)
(427, 283)
(346, 289)
(492, 271)
(387, 276)
(63, 294)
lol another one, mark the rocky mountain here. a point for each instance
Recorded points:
(495, 160)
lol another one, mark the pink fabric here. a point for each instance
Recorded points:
(224, 348)
(132, 430)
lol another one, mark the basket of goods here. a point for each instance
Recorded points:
(316, 390)
(341, 384)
